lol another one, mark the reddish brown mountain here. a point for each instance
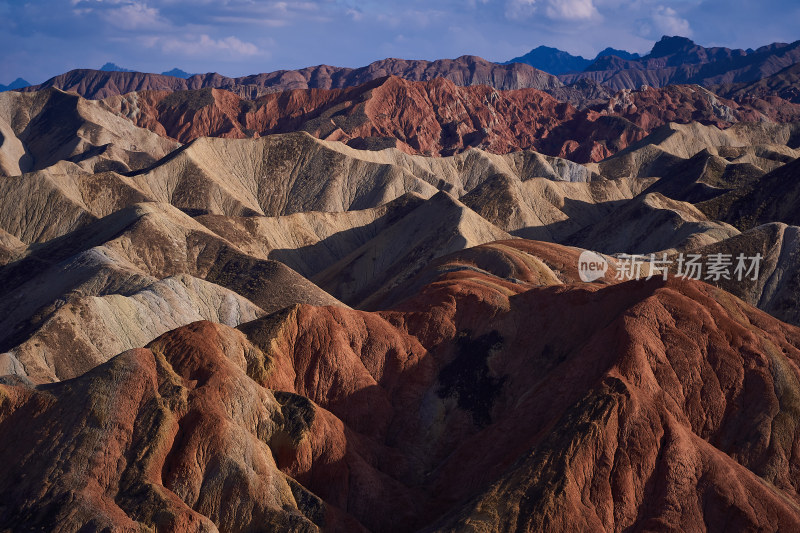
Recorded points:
(678, 60)
(465, 70)
(484, 402)
(440, 118)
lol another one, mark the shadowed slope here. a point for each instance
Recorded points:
(773, 198)
(40, 129)
(652, 223)
(775, 287)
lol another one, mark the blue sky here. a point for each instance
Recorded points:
(235, 37)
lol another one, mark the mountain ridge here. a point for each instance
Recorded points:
(19, 83)
(465, 70)
(376, 115)
(555, 61)
(679, 60)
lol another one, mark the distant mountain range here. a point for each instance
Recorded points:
(557, 61)
(678, 60)
(784, 84)
(175, 73)
(673, 60)
(18, 83)
(464, 71)
(112, 67)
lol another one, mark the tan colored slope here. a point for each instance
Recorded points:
(775, 287)
(50, 203)
(437, 227)
(652, 223)
(159, 241)
(89, 330)
(466, 170)
(672, 143)
(309, 242)
(211, 176)
(291, 173)
(123, 254)
(10, 247)
(40, 129)
(272, 176)
(772, 198)
(713, 171)
(548, 210)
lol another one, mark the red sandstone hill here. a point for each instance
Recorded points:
(465, 70)
(493, 400)
(439, 117)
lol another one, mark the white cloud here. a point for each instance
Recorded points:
(413, 18)
(123, 14)
(520, 9)
(132, 16)
(667, 21)
(204, 45)
(355, 14)
(553, 9)
(571, 9)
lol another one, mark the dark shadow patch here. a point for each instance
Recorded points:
(467, 377)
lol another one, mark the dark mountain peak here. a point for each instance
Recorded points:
(610, 62)
(112, 67)
(624, 54)
(543, 48)
(177, 73)
(18, 83)
(552, 60)
(668, 46)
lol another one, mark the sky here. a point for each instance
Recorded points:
(42, 38)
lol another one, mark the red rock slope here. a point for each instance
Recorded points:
(440, 118)
(496, 399)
